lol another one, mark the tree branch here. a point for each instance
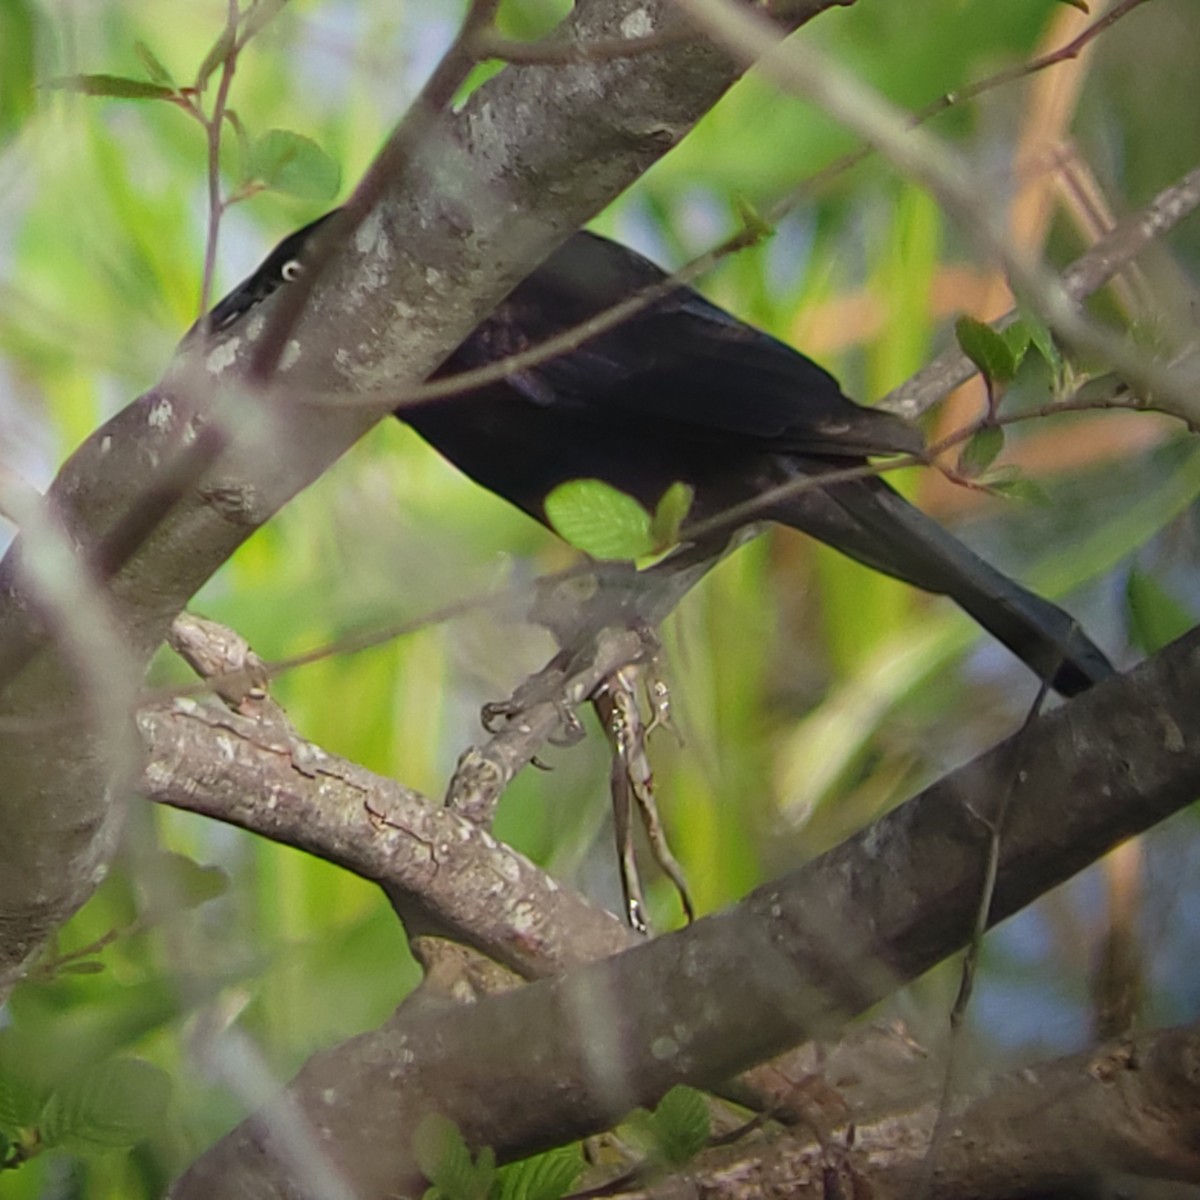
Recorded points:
(262, 776)
(457, 225)
(561, 1058)
(1125, 1109)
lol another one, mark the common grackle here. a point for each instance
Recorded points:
(683, 391)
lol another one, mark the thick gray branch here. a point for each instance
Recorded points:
(1060, 1128)
(489, 191)
(263, 777)
(561, 1058)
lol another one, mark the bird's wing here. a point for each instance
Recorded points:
(685, 368)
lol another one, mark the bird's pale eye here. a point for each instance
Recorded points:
(291, 270)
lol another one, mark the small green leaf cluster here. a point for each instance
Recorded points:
(278, 160)
(453, 1174)
(293, 164)
(998, 355)
(111, 1105)
(675, 1132)
(606, 523)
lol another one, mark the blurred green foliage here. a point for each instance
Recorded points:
(811, 693)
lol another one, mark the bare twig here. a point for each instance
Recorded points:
(803, 70)
(214, 125)
(435, 98)
(1086, 275)
(993, 821)
(1063, 54)
(803, 953)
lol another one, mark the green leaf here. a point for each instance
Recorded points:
(1079, 4)
(23, 1088)
(1155, 616)
(112, 85)
(548, 1176)
(599, 520)
(21, 1101)
(444, 1160)
(675, 1132)
(439, 1148)
(1013, 484)
(111, 1105)
(258, 15)
(18, 54)
(217, 54)
(155, 70)
(1017, 338)
(986, 349)
(186, 882)
(1042, 339)
(670, 514)
(683, 1124)
(295, 165)
(756, 227)
(981, 450)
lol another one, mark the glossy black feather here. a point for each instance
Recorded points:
(685, 391)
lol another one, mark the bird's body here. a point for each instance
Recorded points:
(683, 391)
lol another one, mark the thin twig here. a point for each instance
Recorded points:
(435, 98)
(1090, 271)
(214, 125)
(1121, 399)
(994, 823)
(801, 69)
(1063, 54)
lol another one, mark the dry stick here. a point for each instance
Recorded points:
(753, 37)
(1086, 275)
(214, 125)
(631, 782)
(1063, 54)
(573, 338)
(995, 827)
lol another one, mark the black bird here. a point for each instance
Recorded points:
(684, 391)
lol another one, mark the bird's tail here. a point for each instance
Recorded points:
(867, 520)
